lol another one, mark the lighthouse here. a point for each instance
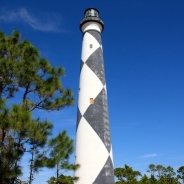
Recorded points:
(93, 140)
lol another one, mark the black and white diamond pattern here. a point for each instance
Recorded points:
(93, 143)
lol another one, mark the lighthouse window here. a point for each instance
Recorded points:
(92, 12)
(91, 46)
(91, 100)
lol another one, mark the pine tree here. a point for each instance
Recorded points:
(180, 172)
(61, 148)
(35, 84)
(126, 175)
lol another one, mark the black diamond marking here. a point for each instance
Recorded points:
(97, 116)
(79, 116)
(96, 64)
(96, 35)
(81, 65)
(106, 175)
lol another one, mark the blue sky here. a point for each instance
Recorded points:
(143, 43)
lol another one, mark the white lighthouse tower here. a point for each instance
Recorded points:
(93, 142)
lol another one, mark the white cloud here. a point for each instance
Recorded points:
(149, 155)
(45, 22)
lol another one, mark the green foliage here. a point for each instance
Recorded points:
(145, 180)
(181, 173)
(22, 131)
(160, 169)
(126, 175)
(62, 179)
(22, 67)
(166, 175)
(152, 169)
(35, 84)
(61, 148)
